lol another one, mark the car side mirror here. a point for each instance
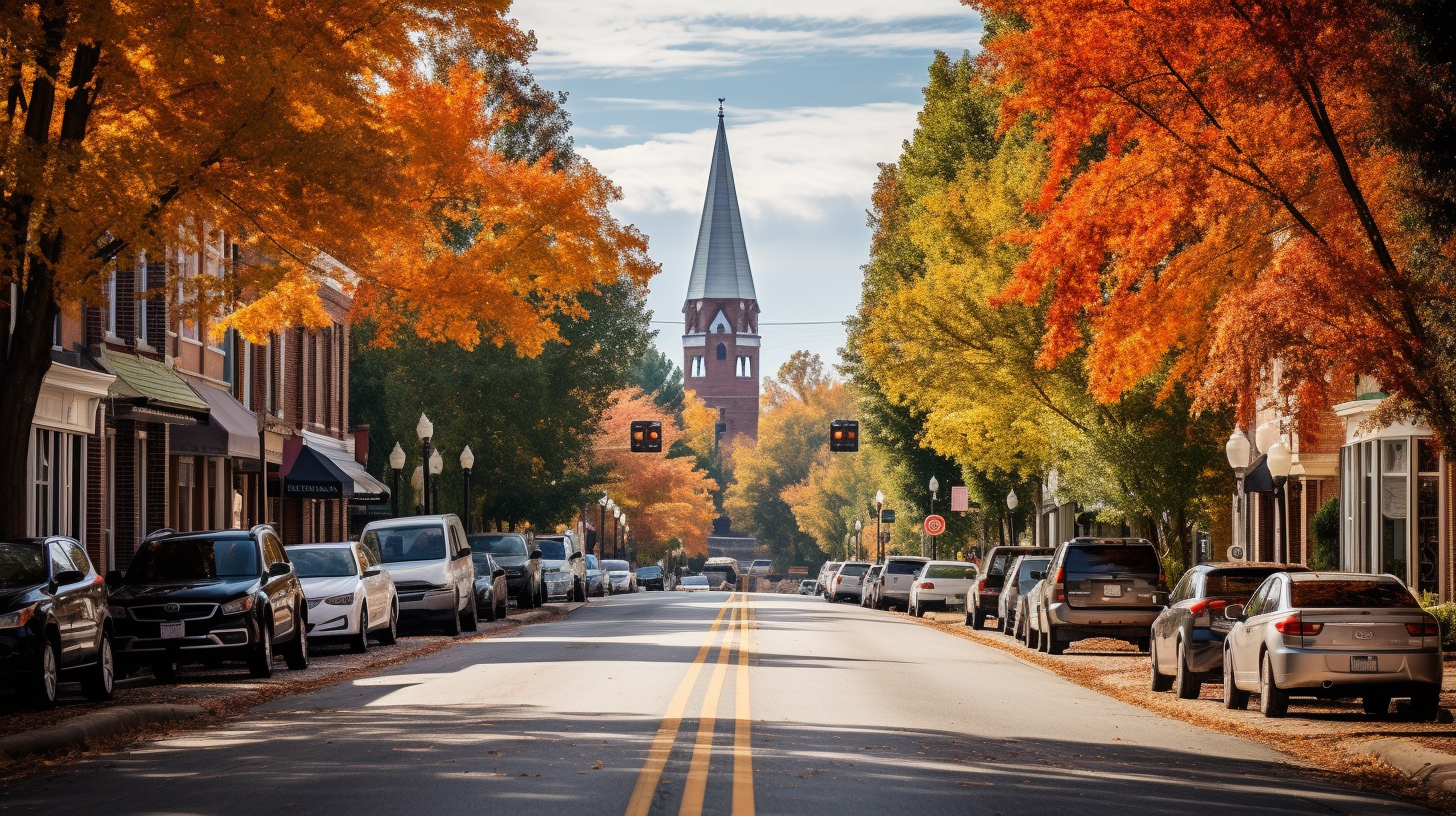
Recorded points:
(1160, 598)
(114, 577)
(497, 572)
(536, 554)
(1233, 612)
(69, 577)
(464, 551)
(278, 568)
(1037, 575)
(371, 572)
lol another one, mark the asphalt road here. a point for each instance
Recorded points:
(633, 705)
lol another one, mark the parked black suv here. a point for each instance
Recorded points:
(206, 597)
(650, 578)
(54, 620)
(981, 601)
(1098, 587)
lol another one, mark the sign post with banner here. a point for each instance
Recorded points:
(960, 500)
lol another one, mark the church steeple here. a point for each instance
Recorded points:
(720, 314)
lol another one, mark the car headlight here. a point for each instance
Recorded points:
(346, 599)
(18, 618)
(312, 602)
(242, 604)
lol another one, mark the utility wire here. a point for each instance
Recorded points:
(791, 323)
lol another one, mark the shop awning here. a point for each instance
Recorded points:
(148, 391)
(362, 487)
(231, 429)
(314, 476)
(1258, 479)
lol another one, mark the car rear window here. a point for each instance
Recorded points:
(1338, 594)
(854, 569)
(1024, 581)
(649, 572)
(998, 564)
(904, 567)
(1234, 584)
(950, 571)
(1106, 560)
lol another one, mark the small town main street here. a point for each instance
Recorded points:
(698, 703)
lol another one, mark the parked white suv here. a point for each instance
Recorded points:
(844, 584)
(429, 560)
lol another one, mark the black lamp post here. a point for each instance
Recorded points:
(879, 514)
(467, 461)
(600, 543)
(1280, 461)
(934, 540)
(396, 463)
(1011, 503)
(425, 429)
(437, 465)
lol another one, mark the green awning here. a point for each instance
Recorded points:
(146, 382)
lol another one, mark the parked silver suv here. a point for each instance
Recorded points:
(1097, 587)
(896, 580)
(429, 561)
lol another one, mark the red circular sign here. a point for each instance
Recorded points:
(934, 525)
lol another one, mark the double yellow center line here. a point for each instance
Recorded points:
(739, 610)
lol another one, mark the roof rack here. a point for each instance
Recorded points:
(161, 532)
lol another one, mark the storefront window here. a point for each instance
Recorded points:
(58, 469)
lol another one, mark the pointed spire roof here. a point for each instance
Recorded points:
(720, 264)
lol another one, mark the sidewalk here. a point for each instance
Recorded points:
(1338, 737)
(143, 708)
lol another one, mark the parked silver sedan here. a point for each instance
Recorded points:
(1332, 635)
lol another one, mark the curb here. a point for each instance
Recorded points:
(86, 728)
(1425, 765)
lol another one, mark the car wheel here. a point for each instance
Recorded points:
(359, 644)
(390, 634)
(1426, 704)
(47, 683)
(1157, 681)
(470, 620)
(1273, 701)
(452, 621)
(99, 682)
(1377, 703)
(1185, 682)
(296, 653)
(1033, 638)
(1234, 698)
(261, 663)
(978, 619)
(1055, 645)
(490, 611)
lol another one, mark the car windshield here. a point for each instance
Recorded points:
(695, 580)
(21, 564)
(854, 569)
(1113, 559)
(1351, 594)
(551, 549)
(333, 562)
(649, 572)
(616, 566)
(904, 567)
(194, 559)
(1024, 581)
(1234, 585)
(950, 571)
(422, 542)
(499, 543)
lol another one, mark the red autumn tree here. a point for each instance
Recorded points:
(1224, 189)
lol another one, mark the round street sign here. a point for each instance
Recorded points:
(934, 525)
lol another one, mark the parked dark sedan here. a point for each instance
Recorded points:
(521, 561)
(210, 596)
(55, 623)
(491, 590)
(651, 578)
(1186, 649)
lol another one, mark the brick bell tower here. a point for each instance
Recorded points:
(720, 315)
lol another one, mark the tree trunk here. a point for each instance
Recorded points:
(21, 373)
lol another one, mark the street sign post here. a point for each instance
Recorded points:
(934, 525)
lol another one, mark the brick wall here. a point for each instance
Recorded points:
(124, 492)
(96, 486)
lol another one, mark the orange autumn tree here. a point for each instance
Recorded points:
(664, 498)
(327, 139)
(1224, 192)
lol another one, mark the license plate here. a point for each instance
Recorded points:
(1364, 664)
(1111, 591)
(174, 630)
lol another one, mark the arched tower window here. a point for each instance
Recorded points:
(722, 352)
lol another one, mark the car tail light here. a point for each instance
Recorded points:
(1197, 607)
(1210, 605)
(1292, 625)
(1061, 590)
(926, 585)
(1426, 629)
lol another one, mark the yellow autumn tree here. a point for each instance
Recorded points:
(325, 139)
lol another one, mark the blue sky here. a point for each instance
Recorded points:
(818, 92)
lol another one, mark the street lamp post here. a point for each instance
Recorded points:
(1281, 461)
(934, 540)
(396, 463)
(467, 461)
(601, 524)
(858, 525)
(879, 512)
(425, 429)
(616, 529)
(1237, 451)
(437, 465)
(1011, 503)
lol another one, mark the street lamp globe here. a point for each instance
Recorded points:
(934, 485)
(1011, 500)
(603, 501)
(858, 525)
(467, 458)
(1266, 435)
(437, 462)
(879, 497)
(425, 429)
(1280, 460)
(617, 513)
(1237, 450)
(396, 457)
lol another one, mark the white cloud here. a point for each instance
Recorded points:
(647, 37)
(790, 162)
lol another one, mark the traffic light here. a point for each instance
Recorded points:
(646, 436)
(844, 435)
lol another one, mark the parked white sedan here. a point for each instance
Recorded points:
(941, 585)
(350, 596)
